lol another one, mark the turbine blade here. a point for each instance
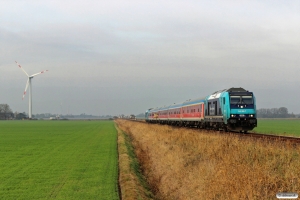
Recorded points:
(39, 73)
(22, 68)
(25, 89)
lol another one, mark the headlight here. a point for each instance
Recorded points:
(232, 115)
(251, 115)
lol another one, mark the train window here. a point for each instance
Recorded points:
(235, 99)
(223, 100)
(247, 99)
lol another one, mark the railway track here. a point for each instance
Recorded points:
(274, 137)
(270, 137)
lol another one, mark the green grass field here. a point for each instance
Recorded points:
(58, 160)
(279, 126)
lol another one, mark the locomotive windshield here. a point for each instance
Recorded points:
(241, 100)
(235, 99)
(247, 99)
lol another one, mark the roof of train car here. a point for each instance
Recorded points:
(159, 109)
(164, 108)
(193, 101)
(177, 105)
(154, 110)
(196, 101)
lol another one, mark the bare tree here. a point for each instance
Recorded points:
(5, 111)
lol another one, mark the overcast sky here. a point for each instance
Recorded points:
(122, 57)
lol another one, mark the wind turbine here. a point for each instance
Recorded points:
(30, 87)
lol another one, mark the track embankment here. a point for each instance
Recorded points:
(253, 135)
(132, 184)
(191, 164)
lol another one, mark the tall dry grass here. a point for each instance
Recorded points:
(132, 186)
(188, 164)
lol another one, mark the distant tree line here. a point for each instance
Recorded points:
(6, 112)
(141, 115)
(281, 112)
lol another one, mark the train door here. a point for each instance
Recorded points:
(216, 108)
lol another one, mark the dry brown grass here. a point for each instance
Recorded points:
(188, 164)
(130, 185)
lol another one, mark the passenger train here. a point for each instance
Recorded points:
(231, 109)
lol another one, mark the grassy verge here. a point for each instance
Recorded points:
(188, 164)
(131, 180)
(58, 160)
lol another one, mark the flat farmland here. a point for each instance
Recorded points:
(58, 160)
(279, 126)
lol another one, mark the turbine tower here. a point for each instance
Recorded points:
(30, 88)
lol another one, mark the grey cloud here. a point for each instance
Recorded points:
(124, 58)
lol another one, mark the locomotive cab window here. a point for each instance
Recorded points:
(247, 99)
(235, 99)
(241, 100)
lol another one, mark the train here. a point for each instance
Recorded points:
(232, 109)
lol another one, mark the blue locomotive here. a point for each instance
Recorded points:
(230, 109)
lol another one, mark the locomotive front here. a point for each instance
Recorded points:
(242, 110)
